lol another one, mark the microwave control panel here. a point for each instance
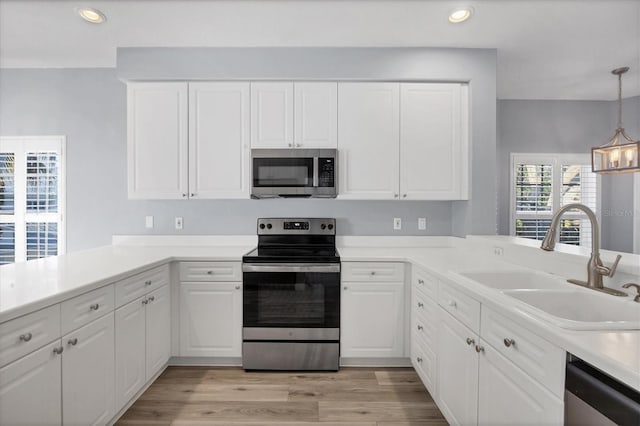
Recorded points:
(326, 172)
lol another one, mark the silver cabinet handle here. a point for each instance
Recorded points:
(237, 287)
(479, 348)
(404, 195)
(58, 350)
(395, 195)
(420, 304)
(184, 195)
(193, 194)
(94, 307)
(148, 282)
(26, 337)
(420, 327)
(290, 145)
(152, 298)
(470, 341)
(73, 341)
(145, 301)
(421, 282)
(298, 145)
(419, 360)
(209, 272)
(509, 342)
(373, 272)
(345, 287)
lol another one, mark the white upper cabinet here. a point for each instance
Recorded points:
(368, 138)
(157, 139)
(433, 141)
(316, 115)
(271, 114)
(219, 116)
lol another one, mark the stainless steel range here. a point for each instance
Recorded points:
(291, 299)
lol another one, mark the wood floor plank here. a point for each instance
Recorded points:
(202, 392)
(434, 422)
(357, 391)
(400, 377)
(378, 411)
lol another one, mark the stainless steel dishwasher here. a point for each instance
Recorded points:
(594, 398)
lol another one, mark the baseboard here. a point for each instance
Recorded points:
(375, 362)
(210, 361)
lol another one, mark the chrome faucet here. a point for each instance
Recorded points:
(595, 268)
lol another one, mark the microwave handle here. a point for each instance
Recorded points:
(315, 172)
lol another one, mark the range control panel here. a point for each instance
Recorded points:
(288, 226)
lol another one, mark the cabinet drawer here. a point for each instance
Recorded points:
(85, 308)
(461, 306)
(140, 284)
(373, 271)
(423, 360)
(210, 271)
(424, 320)
(27, 333)
(540, 359)
(424, 282)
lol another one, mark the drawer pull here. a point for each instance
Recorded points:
(73, 341)
(147, 282)
(479, 348)
(373, 272)
(452, 303)
(94, 307)
(26, 337)
(209, 272)
(419, 360)
(509, 342)
(421, 282)
(420, 327)
(145, 301)
(237, 287)
(58, 350)
(345, 288)
(470, 341)
(152, 298)
(420, 304)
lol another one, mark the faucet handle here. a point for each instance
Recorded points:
(609, 272)
(637, 287)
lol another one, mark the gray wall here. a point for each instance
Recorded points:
(569, 127)
(89, 107)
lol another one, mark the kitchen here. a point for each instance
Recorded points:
(551, 105)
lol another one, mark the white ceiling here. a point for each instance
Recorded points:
(547, 49)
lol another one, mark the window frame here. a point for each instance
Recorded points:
(556, 161)
(20, 145)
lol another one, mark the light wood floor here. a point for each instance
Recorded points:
(231, 396)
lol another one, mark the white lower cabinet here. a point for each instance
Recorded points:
(88, 373)
(142, 342)
(457, 371)
(509, 396)
(31, 389)
(211, 319)
(372, 319)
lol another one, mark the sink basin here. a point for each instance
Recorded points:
(516, 280)
(580, 309)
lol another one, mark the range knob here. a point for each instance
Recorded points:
(269, 226)
(330, 226)
(323, 226)
(262, 226)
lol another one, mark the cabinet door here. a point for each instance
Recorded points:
(368, 139)
(372, 320)
(157, 138)
(219, 140)
(510, 396)
(88, 373)
(316, 115)
(30, 389)
(158, 330)
(433, 141)
(130, 351)
(211, 319)
(271, 115)
(457, 378)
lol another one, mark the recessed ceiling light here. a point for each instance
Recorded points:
(460, 14)
(92, 15)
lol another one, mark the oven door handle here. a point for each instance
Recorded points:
(291, 267)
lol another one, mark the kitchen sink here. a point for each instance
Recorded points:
(507, 280)
(580, 309)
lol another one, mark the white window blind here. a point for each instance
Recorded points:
(542, 183)
(31, 197)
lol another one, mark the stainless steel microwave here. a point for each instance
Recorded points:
(294, 173)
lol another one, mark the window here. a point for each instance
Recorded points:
(32, 183)
(541, 184)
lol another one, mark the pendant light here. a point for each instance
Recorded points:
(621, 154)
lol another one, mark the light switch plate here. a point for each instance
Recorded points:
(422, 223)
(148, 222)
(397, 223)
(179, 223)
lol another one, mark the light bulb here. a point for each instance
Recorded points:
(460, 15)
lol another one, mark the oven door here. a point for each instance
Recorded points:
(291, 301)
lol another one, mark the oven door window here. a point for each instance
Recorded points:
(290, 299)
(283, 172)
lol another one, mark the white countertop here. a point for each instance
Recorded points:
(26, 287)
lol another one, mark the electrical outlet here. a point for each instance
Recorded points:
(148, 222)
(179, 223)
(397, 223)
(422, 223)
(498, 251)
